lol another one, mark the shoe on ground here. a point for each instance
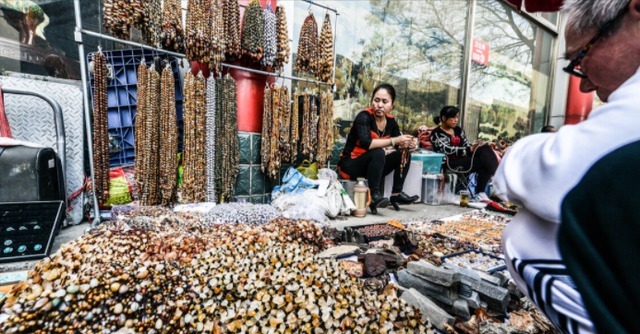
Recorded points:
(482, 197)
(403, 198)
(378, 201)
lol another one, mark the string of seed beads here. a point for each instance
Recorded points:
(211, 139)
(188, 138)
(220, 142)
(282, 37)
(172, 35)
(325, 63)
(168, 164)
(325, 133)
(270, 39)
(217, 36)
(295, 127)
(198, 31)
(307, 56)
(306, 124)
(138, 12)
(149, 191)
(118, 17)
(231, 128)
(231, 17)
(253, 32)
(267, 121)
(200, 163)
(285, 124)
(140, 125)
(152, 24)
(313, 127)
(100, 128)
(274, 158)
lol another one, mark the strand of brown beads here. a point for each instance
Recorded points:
(172, 35)
(189, 120)
(253, 32)
(138, 10)
(325, 50)
(321, 153)
(307, 57)
(274, 158)
(270, 39)
(282, 37)
(140, 124)
(118, 17)
(217, 36)
(200, 164)
(267, 121)
(168, 162)
(211, 139)
(231, 16)
(152, 22)
(149, 188)
(285, 125)
(306, 124)
(219, 143)
(295, 126)
(100, 128)
(231, 157)
(198, 31)
(313, 126)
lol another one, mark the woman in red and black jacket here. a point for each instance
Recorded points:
(367, 152)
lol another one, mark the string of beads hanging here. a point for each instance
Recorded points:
(149, 187)
(172, 35)
(282, 39)
(152, 23)
(194, 157)
(211, 139)
(307, 56)
(270, 39)
(325, 128)
(168, 163)
(140, 123)
(118, 16)
(231, 17)
(217, 36)
(198, 31)
(309, 135)
(285, 124)
(100, 128)
(253, 32)
(227, 155)
(325, 62)
(267, 120)
(295, 126)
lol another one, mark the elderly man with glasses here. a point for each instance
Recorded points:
(574, 248)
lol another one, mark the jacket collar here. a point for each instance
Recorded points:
(370, 111)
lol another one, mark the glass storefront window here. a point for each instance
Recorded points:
(508, 93)
(417, 46)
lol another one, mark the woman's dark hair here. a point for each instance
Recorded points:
(446, 112)
(548, 128)
(388, 88)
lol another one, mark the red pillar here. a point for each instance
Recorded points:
(579, 104)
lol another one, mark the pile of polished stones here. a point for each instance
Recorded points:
(172, 273)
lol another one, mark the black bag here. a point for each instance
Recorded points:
(30, 174)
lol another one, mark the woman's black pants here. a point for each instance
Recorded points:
(484, 164)
(374, 165)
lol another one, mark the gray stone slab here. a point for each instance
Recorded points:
(461, 308)
(433, 274)
(473, 301)
(443, 294)
(438, 317)
(496, 297)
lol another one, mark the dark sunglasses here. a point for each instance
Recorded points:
(574, 67)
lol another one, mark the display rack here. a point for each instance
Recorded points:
(79, 32)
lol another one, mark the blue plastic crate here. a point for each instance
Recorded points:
(431, 162)
(123, 96)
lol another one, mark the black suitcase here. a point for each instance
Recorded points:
(30, 174)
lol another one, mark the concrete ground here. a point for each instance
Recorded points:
(407, 213)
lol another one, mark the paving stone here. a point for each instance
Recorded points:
(429, 309)
(432, 273)
(443, 294)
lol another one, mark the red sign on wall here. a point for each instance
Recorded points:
(480, 53)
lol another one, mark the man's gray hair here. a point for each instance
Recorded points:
(587, 14)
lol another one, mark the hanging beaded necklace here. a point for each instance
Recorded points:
(325, 63)
(172, 35)
(307, 56)
(217, 37)
(211, 139)
(253, 32)
(152, 21)
(140, 124)
(100, 128)
(198, 31)
(168, 163)
(265, 145)
(231, 17)
(295, 126)
(282, 36)
(270, 39)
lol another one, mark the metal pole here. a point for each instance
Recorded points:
(466, 66)
(85, 95)
(321, 6)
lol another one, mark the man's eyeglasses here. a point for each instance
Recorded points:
(574, 67)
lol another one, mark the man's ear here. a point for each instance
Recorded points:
(634, 9)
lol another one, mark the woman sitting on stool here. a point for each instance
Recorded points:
(451, 140)
(369, 151)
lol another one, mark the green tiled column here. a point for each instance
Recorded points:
(252, 184)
